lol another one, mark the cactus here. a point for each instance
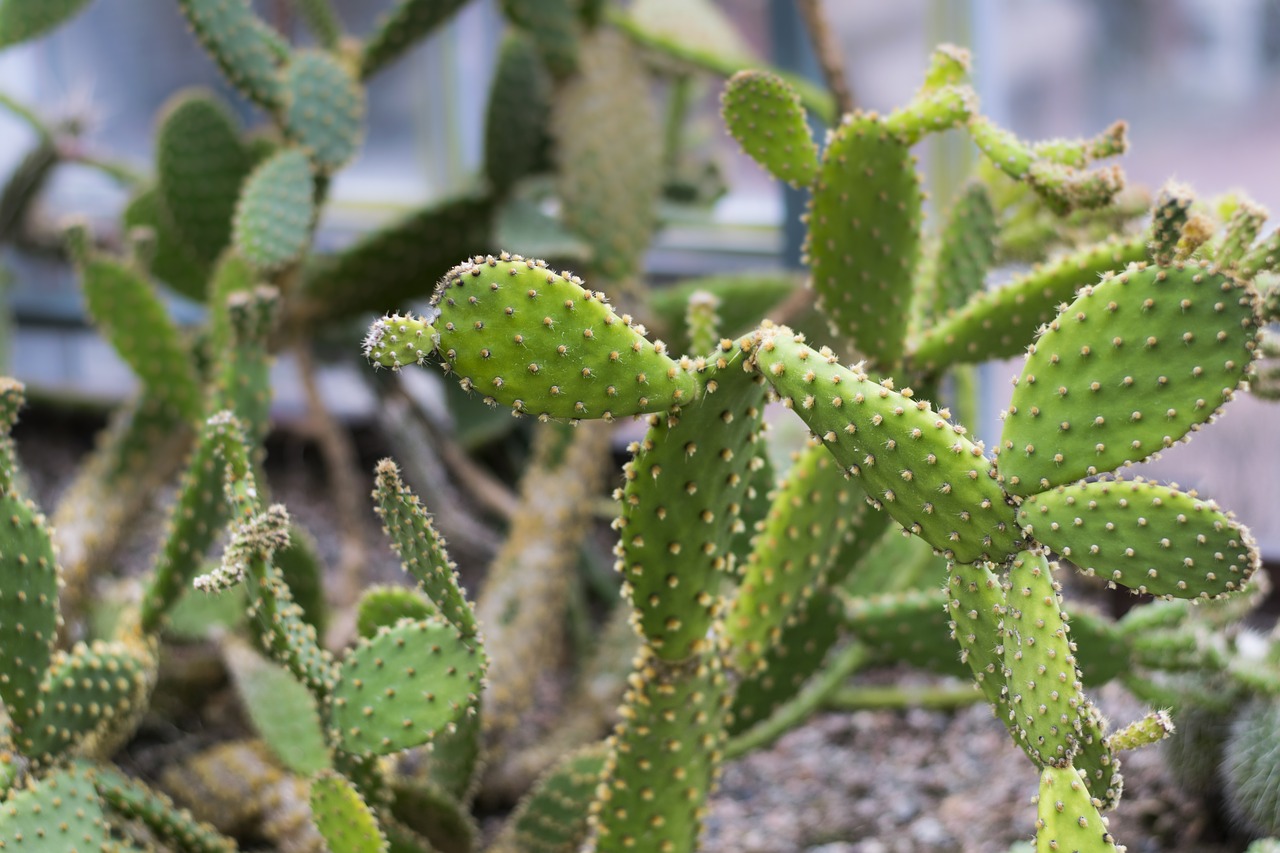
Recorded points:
(344, 819)
(767, 118)
(246, 50)
(323, 109)
(20, 21)
(274, 216)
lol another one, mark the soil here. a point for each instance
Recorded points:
(880, 781)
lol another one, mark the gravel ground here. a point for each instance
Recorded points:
(851, 782)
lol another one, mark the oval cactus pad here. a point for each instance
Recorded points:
(1150, 538)
(539, 342)
(1130, 367)
(914, 463)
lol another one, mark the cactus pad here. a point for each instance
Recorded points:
(242, 44)
(664, 758)
(553, 28)
(1151, 538)
(1250, 764)
(765, 115)
(539, 342)
(384, 606)
(1045, 695)
(28, 603)
(1068, 821)
(282, 710)
(200, 164)
(684, 490)
(400, 29)
(323, 109)
(273, 219)
(915, 464)
(608, 154)
(25, 19)
(83, 691)
(421, 548)
(1130, 367)
(60, 812)
(864, 236)
(516, 141)
(343, 818)
(132, 799)
(791, 555)
(1000, 323)
(553, 817)
(127, 309)
(396, 690)
(908, 627)
(173, 262)
(966, 252)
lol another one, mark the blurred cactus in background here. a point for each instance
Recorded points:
(755, 579)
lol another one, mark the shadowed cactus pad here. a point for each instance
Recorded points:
(539, 342)
(914, 463)
(765, 115)
(1150, 538)
(1127, 369)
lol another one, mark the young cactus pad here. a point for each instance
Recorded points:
(1130, 367)
(536, 341)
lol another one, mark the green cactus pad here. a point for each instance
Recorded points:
(765, 115)
(931, 111)
(384, 606)
(1000, 323)
(243, 379)
(516, 138)
(976, 601)
(272, 226)
(303, 570)
(28, 604)
(552, 26)
(421, 548)
(200, 164)
(791, 555)
(21, 20)
(864, 237)
(244, 47)
(1130, 367)
(434, 813)
(1263, 257)
(174, 263)
(1045, 694)
(915, 464)
(323, 109)
(83, 692)
(1067, 820)
(128, 311)
(664, 758)
(684, 490)
(908, 627)
(397, 263)
(608, 154)
(1151, 538)
(281, 710)
(60, 812)
(552, 818)
(789, 661)
(343, 818)
(966, 252)
(400, 29)
(948, 66)
(538, 342)
(396, 690)
(132, 799)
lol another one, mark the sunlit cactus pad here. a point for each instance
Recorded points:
(1129, 368)
(539, 342)
(1150, 538)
